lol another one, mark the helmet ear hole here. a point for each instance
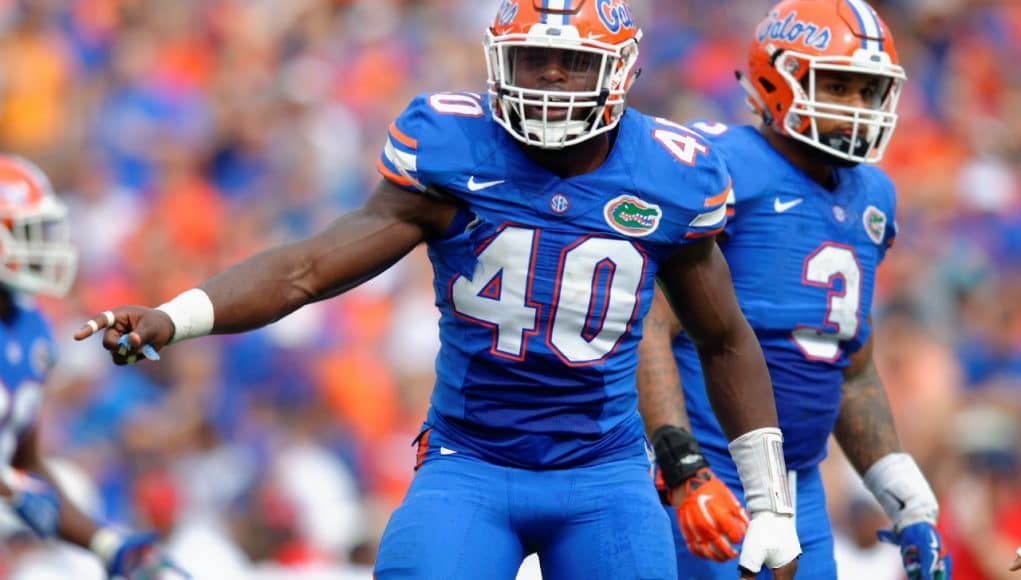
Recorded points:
(765, 84)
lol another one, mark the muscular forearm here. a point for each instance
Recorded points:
(736, 377)
(274, 283)
(865, 428)
(660, 399)
(737, 382)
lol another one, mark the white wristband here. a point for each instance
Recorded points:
(758, 455)
(192, 314)
(899, 486)
(105, 543)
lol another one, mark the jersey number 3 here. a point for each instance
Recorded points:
(823, 267)
(595, 298)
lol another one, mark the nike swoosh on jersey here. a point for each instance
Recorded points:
(480, 185)
(782, 206)
(446, 451)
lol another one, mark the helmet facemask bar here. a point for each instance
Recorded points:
(871, 127)
(36, 255)
(554, 119)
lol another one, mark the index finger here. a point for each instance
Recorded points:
(94, 325)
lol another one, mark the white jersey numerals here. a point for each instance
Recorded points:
(683, 143)
(822, 268)
(595, 297)
(17, 413)
(498, 295)
(460, 104)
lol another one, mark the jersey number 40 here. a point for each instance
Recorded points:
(595, 298)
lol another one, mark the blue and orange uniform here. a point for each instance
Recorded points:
(542, 283)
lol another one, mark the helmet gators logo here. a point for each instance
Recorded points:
(791, 29)
(615, 14)
(631, 216)
(508, 11)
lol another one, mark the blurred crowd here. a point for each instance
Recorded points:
(187, 134)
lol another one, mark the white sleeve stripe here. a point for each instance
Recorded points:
(404, 162)
(731, 200)
(711, 218)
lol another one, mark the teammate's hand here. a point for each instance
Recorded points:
(35, 502)
(922, 551)
(771, 541)
(137, 557)
(146, 330)
(1017, 561)
(710, 517)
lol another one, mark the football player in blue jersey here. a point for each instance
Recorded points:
(37, 258)
(811, 219)
(549, 209)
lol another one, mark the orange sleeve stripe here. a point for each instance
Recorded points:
(423, 447)
(694, 235)
(719, 198)
(398, 179)
(401, 137)
(730, 212)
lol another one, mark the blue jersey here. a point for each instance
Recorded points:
(28, 355)
(803, 259)
(542, 282)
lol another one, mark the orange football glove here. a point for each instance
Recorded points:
(710, 517)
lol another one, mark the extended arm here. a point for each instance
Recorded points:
(276, 282)
(353, 249)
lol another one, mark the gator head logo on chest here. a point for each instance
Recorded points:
(875, 223)
(631, 216)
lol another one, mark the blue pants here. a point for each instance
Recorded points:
(813, 524)
(464, 518)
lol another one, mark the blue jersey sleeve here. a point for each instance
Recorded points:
(424, 145)
(749, 165)
(710, 218)
(890, 201)
(880, 218)
(399, 161)
(693, 176)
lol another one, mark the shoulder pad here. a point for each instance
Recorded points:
(688, 174)
(430, 139)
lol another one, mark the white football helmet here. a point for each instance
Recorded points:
(596, 40)
(36, 255)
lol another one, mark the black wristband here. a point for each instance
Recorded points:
(677, 453)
